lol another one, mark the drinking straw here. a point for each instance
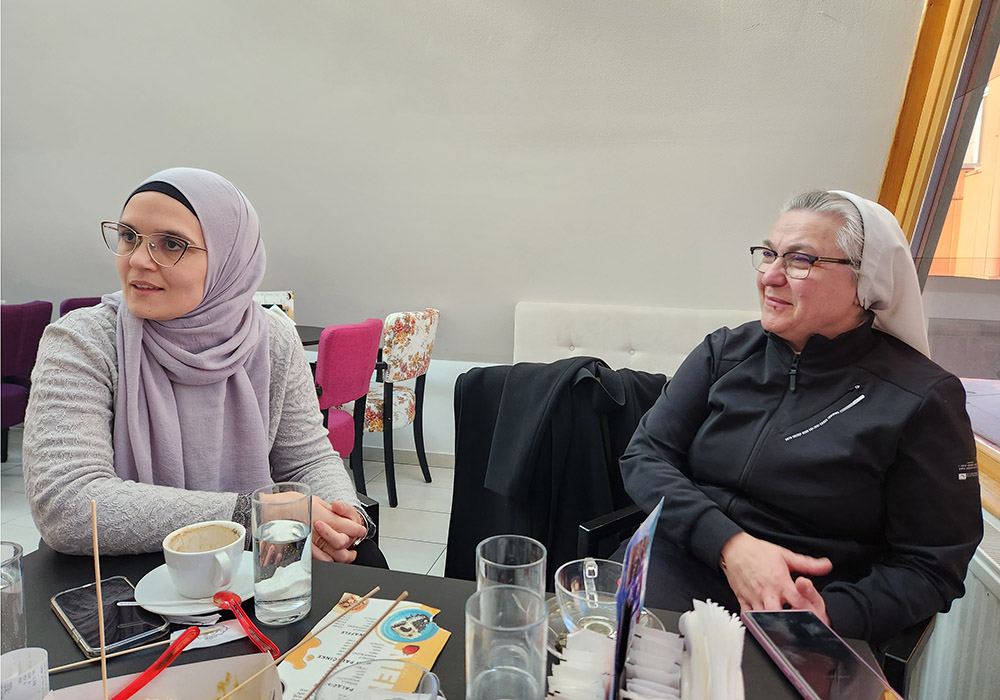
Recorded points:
(77, 664)
(100, 604)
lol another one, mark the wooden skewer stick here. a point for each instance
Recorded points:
(77, 664)
(100, 603)
(354, 646)
(305, 639)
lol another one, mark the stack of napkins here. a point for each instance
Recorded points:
(654, 665)
(584, 672)
(703, 664)
(712, 668)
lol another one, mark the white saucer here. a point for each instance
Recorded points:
(156, 587)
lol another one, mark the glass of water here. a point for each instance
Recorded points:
(282, 552)
(505, 630)
(12, 627)
(511, 560)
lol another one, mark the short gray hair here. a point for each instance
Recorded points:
(851, 234)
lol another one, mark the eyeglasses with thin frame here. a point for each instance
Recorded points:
(164, 249)
(797, 265)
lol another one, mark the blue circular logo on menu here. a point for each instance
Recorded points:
(408, 626)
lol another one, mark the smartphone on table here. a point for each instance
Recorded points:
(820, 664)
(123, 626)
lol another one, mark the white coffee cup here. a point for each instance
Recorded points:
(204, 557)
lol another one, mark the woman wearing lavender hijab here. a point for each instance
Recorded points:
(175, 398)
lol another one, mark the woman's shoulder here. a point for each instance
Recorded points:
(281, 329)
(896, 362)
(736, 344)
(284, 343)
(83, 338)
(93, 325)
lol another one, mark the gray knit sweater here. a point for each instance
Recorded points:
(69, 457)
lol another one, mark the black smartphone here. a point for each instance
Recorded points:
(820, 664)
(123, 626)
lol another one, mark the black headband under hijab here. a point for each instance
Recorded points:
(163, 188)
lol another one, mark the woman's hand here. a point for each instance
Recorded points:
(815, 601)
(760, 574)
(337, 527)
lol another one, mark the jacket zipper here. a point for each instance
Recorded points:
(792, 372)
(751, 461)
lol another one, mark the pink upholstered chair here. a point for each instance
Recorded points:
(407, 343)
(22, 327)
(68, 305)
(344, 367)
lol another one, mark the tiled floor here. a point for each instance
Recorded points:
(412, 535)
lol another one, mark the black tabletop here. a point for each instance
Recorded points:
(309, 334)
(47, 572)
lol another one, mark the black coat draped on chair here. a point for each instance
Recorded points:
(536, 452)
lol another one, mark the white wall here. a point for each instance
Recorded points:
(451, 154)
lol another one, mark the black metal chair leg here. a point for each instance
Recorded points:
(357, 454)
(418, 428)
(3, 448)
(390, 470)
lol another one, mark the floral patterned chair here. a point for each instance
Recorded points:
(407, 343)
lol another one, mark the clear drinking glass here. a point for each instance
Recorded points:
(512, 560)
(282, 552)
(380, 675)
(13, 631)
(505, 630)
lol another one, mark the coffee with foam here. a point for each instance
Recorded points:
(203, 538)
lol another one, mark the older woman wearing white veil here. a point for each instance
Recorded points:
(816, 459)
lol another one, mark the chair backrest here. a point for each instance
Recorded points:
(346, 360)
(407, 343)
(67, 305)
(21, 327)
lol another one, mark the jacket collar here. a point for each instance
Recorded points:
(824, 352)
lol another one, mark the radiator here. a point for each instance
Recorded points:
(962, 657)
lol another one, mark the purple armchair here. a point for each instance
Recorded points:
(22, 326)
(344, 367)
(68, 305)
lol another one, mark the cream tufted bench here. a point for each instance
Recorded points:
(648, 338)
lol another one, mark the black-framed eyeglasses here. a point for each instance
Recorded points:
(164, 249)
(797, 265)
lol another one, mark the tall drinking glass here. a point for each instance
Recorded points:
(13, 631)
(505, 629)
(282, 552)
(511, 560)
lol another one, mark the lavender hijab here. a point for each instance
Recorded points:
(191, 409)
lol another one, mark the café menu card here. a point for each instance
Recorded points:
(408, 632)
(632, 593)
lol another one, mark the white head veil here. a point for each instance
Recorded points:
(888, 283)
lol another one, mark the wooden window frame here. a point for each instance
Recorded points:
(956, 47)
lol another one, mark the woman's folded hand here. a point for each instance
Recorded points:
(337, 527)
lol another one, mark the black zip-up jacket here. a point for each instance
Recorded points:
(859, 449)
